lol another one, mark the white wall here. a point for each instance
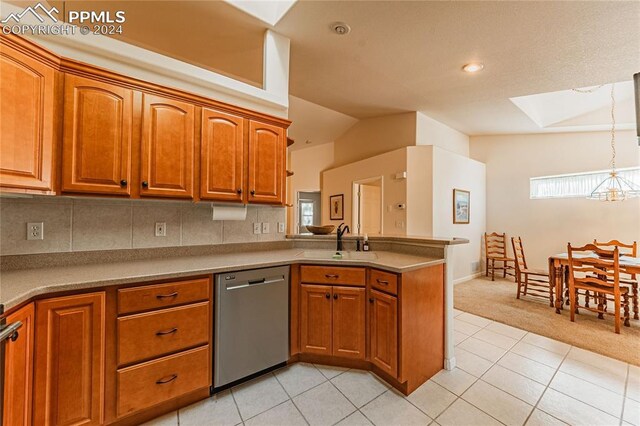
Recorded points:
(340, 181)
(420, 190)
(451, 171)
(432, 132)
(307, 165)
(374, 136)
(547, 225)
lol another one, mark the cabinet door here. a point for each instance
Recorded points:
(384, 331)
(27, 124)
(18, 373)
(97, 137)
(222, 156)
(349, 322)
(315, 319)
(167, 147)
(267, 152)
(69, 362)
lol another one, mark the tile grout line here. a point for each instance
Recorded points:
(624, 396)
(547, 388)
(291, 398)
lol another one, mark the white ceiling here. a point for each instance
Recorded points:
(407, 55)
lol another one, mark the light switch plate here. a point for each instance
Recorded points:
(161, 229)
(265, 227)
(35, 231)
(280, 227)
(257, 228)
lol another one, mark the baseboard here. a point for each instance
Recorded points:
(467, 278)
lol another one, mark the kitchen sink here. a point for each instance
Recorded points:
(345, 255)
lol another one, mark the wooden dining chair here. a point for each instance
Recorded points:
(495, 249)
(599, 275)
(531, 282)
(627, 280)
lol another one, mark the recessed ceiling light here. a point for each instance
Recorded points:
(340, 28)
(473, 67)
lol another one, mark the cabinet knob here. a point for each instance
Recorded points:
(253, 192)
(145, 184)
(371, 300)
(328, 296)
(239, 191)
(14, 336)
(123, 182)
(335, 296)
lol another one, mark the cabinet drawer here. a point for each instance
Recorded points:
(157, 333)
(333, 275)
(136, 299)
(150, 383)
(384, 281)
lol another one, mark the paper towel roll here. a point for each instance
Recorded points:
(229, 212)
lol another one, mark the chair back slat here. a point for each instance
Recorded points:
(495, 245)
(602, 271)
(518, 251)
(631, 249)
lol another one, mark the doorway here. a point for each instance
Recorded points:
(309, 210)
(368, 198)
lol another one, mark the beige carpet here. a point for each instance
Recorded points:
(497, 301)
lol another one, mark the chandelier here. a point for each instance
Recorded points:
(614, 187)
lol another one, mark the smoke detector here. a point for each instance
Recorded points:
(340, 28)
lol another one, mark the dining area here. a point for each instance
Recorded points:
(600, 277)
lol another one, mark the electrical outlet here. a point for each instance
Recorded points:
(280, 227)
(161, 229)
(257, 228)
(265, 227)
(35, 231)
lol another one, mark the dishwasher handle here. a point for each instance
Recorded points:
(256, 282)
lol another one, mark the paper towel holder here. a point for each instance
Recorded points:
(228, 211)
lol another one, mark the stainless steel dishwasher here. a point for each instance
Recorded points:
(251, 323)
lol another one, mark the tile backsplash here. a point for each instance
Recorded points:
(84, 224)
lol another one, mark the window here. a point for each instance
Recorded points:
(576, 184)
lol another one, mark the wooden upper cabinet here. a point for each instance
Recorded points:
(349, 336)
(267, 151)
(18, 375)
(168, 143)
(97, 137)
(384, 331)
(222, 176)
(69, 361)
(27, 126)
(315, 319)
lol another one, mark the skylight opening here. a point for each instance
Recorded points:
(268, 11)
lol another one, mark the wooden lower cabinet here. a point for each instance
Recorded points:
(18, 374)
(150, 383)
(315, 319)
(383, 322)
(332, 321)
(349, 337)
(69, 360)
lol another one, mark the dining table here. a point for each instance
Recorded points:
(559, 274)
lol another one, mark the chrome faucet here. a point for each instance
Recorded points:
(339, 233)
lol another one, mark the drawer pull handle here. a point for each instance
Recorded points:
(383, 282)
(332, 276)
(165, 332)
(166, 296)
(169, 379)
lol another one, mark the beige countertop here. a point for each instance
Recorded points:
(17, 286)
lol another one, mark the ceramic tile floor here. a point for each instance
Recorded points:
(504, 376)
